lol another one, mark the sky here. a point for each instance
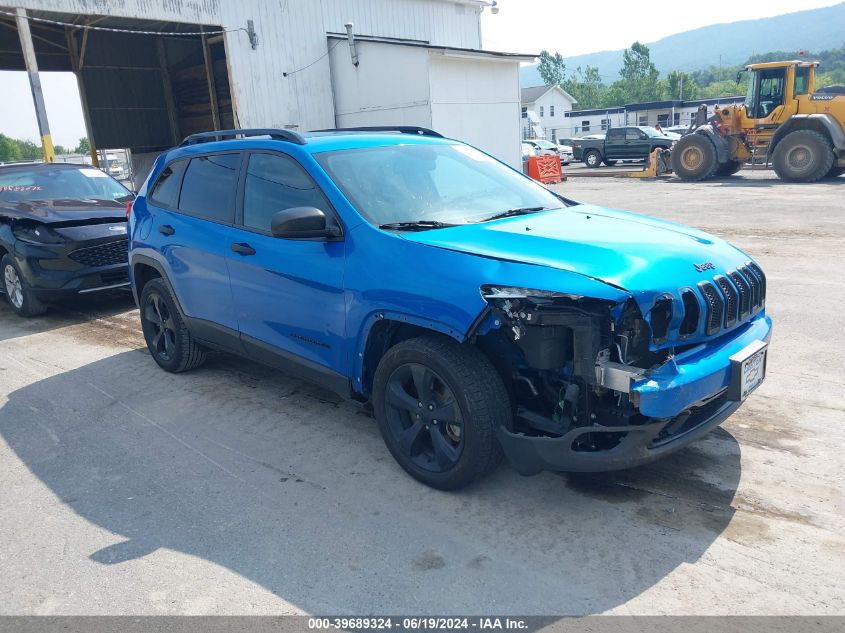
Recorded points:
(521, 26)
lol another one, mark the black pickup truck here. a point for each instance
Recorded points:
(620, 143)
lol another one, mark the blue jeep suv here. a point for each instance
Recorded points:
(475, 311)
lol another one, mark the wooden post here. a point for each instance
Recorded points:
(212, 87)
(76, 63)
(35, 84)
(167, 87)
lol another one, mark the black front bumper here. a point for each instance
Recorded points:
(641, 443)
(53, 275)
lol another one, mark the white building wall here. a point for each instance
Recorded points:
(476, 100)
(289, 41)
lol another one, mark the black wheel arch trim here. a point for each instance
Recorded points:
(156, 265)
(810, 122)
(721, 145)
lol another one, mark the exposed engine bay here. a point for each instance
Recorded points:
(571, 361)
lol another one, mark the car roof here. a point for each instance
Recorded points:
(29, 166)
(309, 142)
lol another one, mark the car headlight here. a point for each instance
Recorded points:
(37, 234)
(514, 292)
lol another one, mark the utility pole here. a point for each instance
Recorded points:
(28, 49)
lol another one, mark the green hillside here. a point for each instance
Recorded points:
(722, 44)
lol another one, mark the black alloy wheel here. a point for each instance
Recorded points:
(424, 417)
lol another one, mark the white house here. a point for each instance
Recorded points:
(549, 105)
(168, 68)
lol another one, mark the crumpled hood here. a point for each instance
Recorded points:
(642, 255)
(52, 211)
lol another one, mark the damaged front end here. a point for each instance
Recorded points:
(595, 385)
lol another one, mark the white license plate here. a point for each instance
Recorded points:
(748, 369)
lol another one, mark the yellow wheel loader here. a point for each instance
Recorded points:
(784, 121)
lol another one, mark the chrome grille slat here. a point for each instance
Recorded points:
(745, 293)
(731, 299)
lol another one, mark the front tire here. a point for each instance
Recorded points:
(168, 339)
(803, 156)
(694, 158)
(438, 405)
(20, 296)
(592, 159)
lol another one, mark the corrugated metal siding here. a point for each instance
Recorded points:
(291, 35)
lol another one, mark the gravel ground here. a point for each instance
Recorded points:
(237, 489)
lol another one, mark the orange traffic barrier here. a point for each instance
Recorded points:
(546, 169)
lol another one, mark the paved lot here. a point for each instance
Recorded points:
(237, 489)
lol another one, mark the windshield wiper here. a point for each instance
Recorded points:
(512, 212)
(416, 225)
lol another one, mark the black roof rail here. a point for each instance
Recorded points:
(276, 134)
(401, 129)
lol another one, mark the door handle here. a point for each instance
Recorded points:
(242, 248)
(166, 229)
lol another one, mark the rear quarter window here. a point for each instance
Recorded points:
(165, 192)
(208, 188)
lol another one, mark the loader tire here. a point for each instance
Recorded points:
(803, 156)
(728, 169)
(694, 158)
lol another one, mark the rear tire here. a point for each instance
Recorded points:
(803, 156)
(168, 339)
(429, 376)
(694, 158)
(592, 159)
(19, 294)
(728, 169)
(835, 172)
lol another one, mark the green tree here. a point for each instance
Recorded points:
(640, 76)
(586, 86)
(9, 149)
(30, 151)
(680, 86)
(84, 146)
(552, 68)
(60, 150)
(727, 88)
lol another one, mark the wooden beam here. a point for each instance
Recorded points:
(167, 87)
(76, 63)
(212, 86)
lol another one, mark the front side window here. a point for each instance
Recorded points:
(208, 189)
(633, 134)
(802, 80)
(44, 183)
(274, 183)
(165, 192)
(454, 184)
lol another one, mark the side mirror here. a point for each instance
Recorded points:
(302, 223)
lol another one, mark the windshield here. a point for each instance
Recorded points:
(46, 183)
(546, 144)
(452, 184)
(749, 94)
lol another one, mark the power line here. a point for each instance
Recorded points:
(293, 72)
(92, 27)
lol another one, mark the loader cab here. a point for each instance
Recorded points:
(773, 87)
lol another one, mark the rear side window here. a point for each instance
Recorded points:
(165, 192)
(615, 135)
(273, 183)
(208, 189)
